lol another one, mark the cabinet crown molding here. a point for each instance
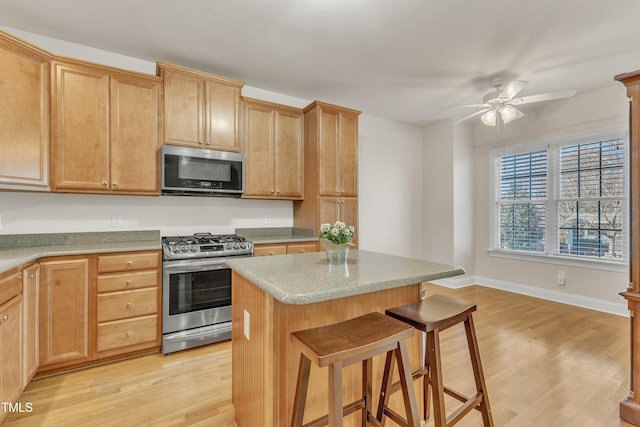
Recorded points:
(226, 80)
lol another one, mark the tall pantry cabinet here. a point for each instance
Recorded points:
(330, 167)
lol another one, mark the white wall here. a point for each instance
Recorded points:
(389, 177)
(585, 285)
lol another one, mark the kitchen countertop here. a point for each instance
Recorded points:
(17, 250)
(277, 234)
(308, 278)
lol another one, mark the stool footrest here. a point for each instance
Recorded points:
(346, 410)
(469, 405)
(395, 417)
(417, 374)
(451, 392)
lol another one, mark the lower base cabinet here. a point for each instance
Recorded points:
(64, 312)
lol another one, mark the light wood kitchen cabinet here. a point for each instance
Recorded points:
(64, 312)
(11, 350)
(105, 129)
(31, 292)
(273, 149)
(24, 115)
(331, 169)
(283, 248)
(128, 303)
(200, 109)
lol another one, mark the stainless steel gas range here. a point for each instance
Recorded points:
(196, 288)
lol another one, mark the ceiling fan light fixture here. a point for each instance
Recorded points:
(489, 118)
(509, 113)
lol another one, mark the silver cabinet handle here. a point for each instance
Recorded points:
(129, 282)
(4, 318)
(129, 333)
(105, 183)
(114, 183)
(129, 305)
(129, 263)
(31, 276)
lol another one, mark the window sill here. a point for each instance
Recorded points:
(595, 264)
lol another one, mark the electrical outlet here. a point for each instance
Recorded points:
(247, 324)
(267, 219)
(561, 278)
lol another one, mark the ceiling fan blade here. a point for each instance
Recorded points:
(477, 113)
(548, 96)
(472, 106)
(512, 88)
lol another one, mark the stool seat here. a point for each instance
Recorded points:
(345, 343)
(435, 312)
(352, 339)
(431, 316)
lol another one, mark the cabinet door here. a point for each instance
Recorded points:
(259, 150)
(183, 109)
(289, 161)
(64, 323)
(31, 290)
(24, 115)
(134, 135)
(222, 105)
(349, 213)
(328, 210)
(11, 374)
(80, 128)
(348, 156)
(328, 184)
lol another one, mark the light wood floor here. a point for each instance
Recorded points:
(546, 364)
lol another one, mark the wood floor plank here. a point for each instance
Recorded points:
(546, 364)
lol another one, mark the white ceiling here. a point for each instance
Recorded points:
(404, 60)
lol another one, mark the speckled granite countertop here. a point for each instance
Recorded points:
(20, 249)
(277, 234)
(308, 278)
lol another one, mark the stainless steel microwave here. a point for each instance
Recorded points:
(198, 172)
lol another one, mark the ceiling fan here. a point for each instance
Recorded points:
(500, 104)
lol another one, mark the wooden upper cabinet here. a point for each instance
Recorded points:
(105, 129)
(135, 138)
(200, 109)
(338, 152)
(24, 115)
(274, 150)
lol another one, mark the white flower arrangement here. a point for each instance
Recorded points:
(338, 233)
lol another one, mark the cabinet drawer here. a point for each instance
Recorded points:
(10, 287)
(123, 333)
(131, 261)
(121, 305)
(126, 281)
(300, 248)
(269, 250)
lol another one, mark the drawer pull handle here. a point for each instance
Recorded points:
(4, 318)
(31, 276)
(129, 305)
(129, 282)
(129, 333)
(129, 263)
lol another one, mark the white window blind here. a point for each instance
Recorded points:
(566, 200)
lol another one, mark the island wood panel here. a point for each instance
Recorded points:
(265, 366)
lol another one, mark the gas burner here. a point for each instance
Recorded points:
(205, 245)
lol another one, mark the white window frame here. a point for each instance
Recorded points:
(553, 189)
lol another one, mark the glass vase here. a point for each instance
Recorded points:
(336, 254)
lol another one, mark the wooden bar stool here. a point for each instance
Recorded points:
(345, 343)
(433, 315)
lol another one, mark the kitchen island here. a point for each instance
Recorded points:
(274, 296)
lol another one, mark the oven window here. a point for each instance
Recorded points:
(199, 290)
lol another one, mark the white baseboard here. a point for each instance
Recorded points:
(532, 291)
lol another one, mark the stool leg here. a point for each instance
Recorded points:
(481, 386)
(301, 391)
(426, 390)
(366, 390)
(404, 369)
(386, 386)
(335, 394)
(435, 372)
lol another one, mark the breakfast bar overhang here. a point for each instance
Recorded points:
(276, 295)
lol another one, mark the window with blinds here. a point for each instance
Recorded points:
(566, 200)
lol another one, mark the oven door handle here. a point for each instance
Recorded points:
(192, 266)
